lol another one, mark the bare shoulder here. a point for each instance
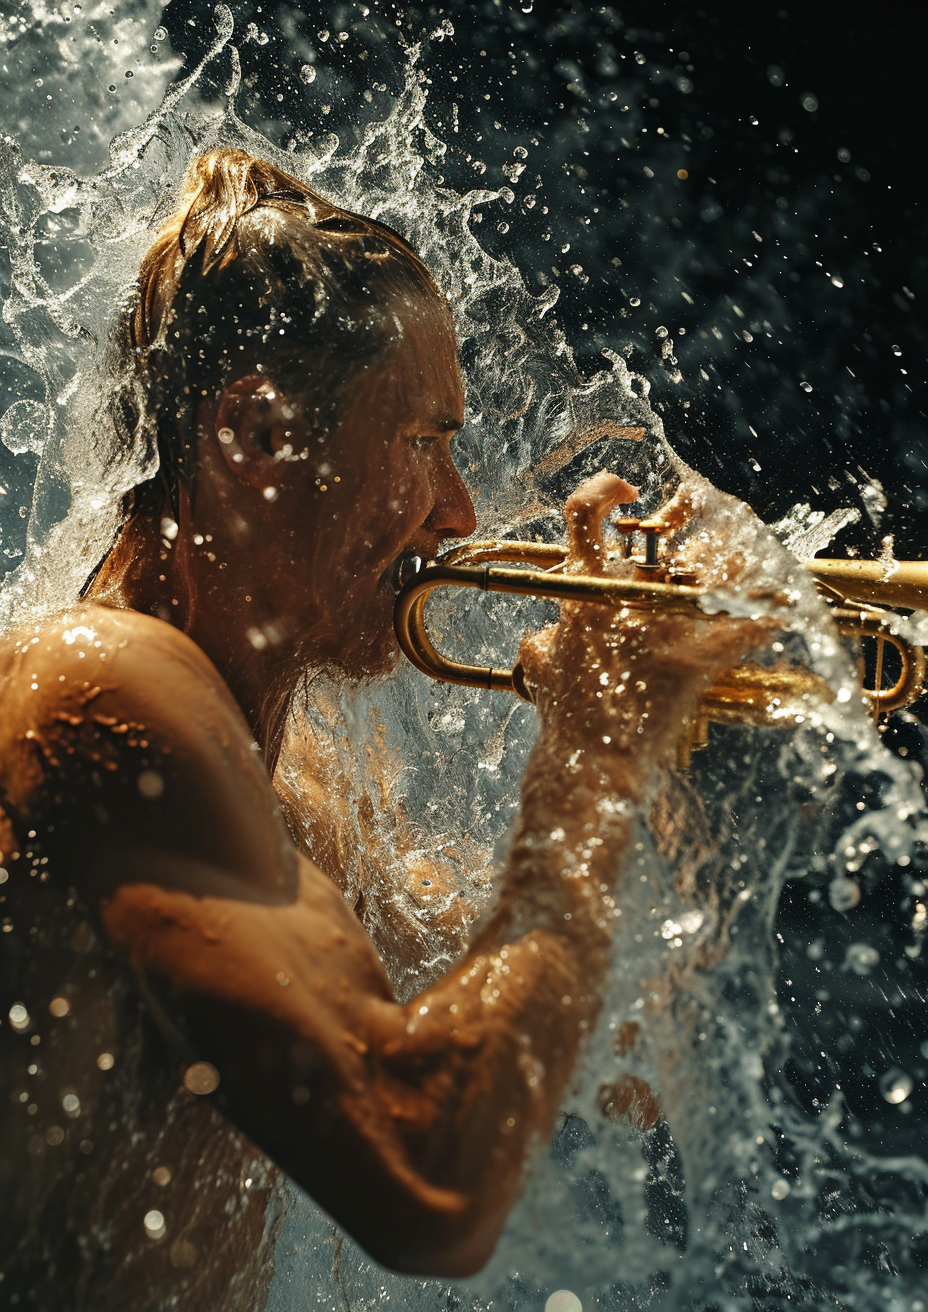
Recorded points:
(117, 727)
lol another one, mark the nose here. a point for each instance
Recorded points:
(452, 514)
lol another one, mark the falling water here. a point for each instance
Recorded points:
(780, 1030)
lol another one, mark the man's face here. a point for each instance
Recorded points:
(385, 488)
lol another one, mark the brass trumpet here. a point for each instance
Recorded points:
(863, 595)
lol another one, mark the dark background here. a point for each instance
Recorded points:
(830, 388)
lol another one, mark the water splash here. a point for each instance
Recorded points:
(766, 1178)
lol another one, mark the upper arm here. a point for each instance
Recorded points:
(119, 734)
(142, 773)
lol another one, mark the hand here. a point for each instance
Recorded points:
(607, 680)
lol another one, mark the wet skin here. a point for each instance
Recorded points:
(139, 736)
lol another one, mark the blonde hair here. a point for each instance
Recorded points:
(255, 270)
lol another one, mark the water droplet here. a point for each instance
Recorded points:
(71, 1104)
(324, 34)
(19, 1017)
(861, 958)
(59, 1007)
(162, 1176)
(634, 301)
(639, 57)
(129, 73)
(809, 102)
(775, 75)
(105, 1061)
(843, 894)
(307, 75)
(150, 784)
(112, 86)
(779, 1189)
(201, 1078)
(837, 281)
(161, 33)
(897, 350)
(563, 1300)
(895, 1085)
(806, 387)
(661, 332)
(154, 1224)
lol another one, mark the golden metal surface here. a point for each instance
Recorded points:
(860, 593)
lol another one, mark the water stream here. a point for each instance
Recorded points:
(769, 979)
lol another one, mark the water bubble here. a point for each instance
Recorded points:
(634, 301)
(779, 1189)
(837, 280)
(59, 1007)
(129, 73)
(71, 1104)
(844, 155)
(895, 1085)
(4, 875)
(105, 1061)
(897, 350)
(563, 1300)
(23, 427)
(112, 86)
(154, 1224)
(520, 152)
(809, 102)
(661, 332)
(262, 38)
(639, 57)
(324, 35)
(161, 33)
(54, 1135)
(307, 75)
(806, 387)
(775, 76)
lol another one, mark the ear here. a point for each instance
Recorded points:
(254, 421)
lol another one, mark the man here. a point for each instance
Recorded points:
(296, 369)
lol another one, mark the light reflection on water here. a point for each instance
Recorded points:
(786, 1052)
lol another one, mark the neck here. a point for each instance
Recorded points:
(186, 584)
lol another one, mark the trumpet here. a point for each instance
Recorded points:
(864, 597)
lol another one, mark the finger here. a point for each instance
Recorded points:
(675, 512)
(585, 511)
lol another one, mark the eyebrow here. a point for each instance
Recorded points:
(449, 425)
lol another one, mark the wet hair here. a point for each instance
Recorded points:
(256, 272)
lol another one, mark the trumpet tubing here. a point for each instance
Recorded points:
(860, 592)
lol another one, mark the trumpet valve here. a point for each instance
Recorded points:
(652, 532)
